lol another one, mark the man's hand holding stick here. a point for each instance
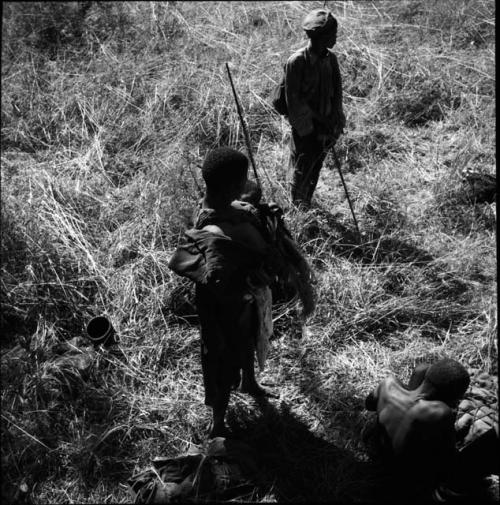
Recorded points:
(330, 145)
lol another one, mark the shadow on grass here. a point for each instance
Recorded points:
(370, 247)
(70, 436)
(297, 465)
(101, 450)
(362, 470)
(180, 306)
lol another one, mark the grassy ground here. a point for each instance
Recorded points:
(107, 112)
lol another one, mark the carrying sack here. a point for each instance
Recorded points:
(278, 99)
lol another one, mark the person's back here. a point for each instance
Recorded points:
(415, 427)
(417, 422)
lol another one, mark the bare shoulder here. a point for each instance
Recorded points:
(390, 388)
(389, 383)
(431, 412)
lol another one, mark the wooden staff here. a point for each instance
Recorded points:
(337, 164)
(245, 132)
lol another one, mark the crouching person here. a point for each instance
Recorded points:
(416, 428)
(232, 263)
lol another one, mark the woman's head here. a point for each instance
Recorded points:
(224, 171)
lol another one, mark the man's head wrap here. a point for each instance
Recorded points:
(223, 167)
(319, 21)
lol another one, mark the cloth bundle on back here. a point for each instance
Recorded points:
(223, 264)
(294, 275)
(294, 272)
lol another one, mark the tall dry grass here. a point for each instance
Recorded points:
(107, 111)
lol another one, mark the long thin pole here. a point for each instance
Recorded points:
(245, 132)
(337, 164)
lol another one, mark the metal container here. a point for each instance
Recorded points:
(101, 332)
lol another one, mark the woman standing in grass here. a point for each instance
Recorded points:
(228, 258)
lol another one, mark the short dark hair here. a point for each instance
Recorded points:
(449, 377)
(223, 167)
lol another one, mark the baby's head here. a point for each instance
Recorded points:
(252, 193)
(449, 380)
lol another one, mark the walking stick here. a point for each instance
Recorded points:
(245, 132)
(337, 164)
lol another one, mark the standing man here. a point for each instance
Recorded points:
(313, 92)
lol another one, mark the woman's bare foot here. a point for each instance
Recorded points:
(255, 389)
(218, 430)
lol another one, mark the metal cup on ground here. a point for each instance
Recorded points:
(101, 332)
